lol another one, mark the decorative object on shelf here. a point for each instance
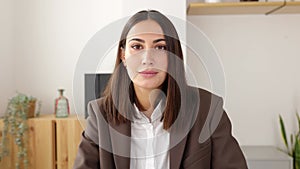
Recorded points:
(19, 109)
(292, 149)
(62, 108)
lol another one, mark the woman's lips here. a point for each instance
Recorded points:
(148, 73)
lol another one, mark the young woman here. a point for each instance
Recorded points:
(148, 117)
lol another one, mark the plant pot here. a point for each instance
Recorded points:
(31, 109)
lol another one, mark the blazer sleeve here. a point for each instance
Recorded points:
(226, 152)
(88, 150)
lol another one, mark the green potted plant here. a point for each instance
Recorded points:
(19, 109)
(292, 147)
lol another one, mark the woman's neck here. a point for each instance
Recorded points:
(146, 98)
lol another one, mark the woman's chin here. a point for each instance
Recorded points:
(147, 85)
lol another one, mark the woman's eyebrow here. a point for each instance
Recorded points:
(158, 40)
(142, 41)
(137, 39)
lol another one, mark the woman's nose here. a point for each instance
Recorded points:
(147, 57)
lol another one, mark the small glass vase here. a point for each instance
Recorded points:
(61, 105)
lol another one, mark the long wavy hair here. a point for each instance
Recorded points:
(119, 95)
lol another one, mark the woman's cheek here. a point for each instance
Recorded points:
(132, 67)
(162, 63)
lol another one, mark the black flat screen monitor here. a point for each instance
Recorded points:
(94, 85)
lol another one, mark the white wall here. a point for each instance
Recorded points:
(175, 9)
(260, 55)
(7, 85)
(50, 37)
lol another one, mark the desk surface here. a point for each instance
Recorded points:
(264, 153)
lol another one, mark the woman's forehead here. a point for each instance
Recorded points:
(145, 27)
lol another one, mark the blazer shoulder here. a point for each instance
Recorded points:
(204, 92)
(96, 102)
(96, 105)
(96, 119)
(206, 95)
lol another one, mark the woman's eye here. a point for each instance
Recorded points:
(137, 47)
(161, 47)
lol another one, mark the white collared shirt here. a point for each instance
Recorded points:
(149, 141)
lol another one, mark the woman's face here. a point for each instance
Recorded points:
(145, 55)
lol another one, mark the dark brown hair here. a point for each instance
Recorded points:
(119, 94)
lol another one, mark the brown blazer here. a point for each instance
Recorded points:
(214, 148)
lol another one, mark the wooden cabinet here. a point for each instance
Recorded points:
(53, 142)
(68, 136)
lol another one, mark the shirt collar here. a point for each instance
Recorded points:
(140, 117)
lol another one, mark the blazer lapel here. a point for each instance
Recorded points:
(120, 140)
(177, 151)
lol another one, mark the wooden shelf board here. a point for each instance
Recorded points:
(231, 8)
(290, 8)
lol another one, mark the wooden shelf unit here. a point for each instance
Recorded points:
(52, 144)
(234, 8)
